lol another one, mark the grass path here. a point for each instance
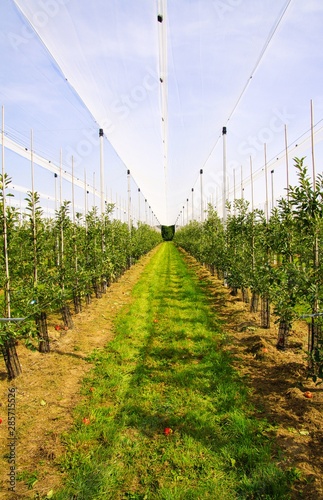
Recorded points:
(164, 414)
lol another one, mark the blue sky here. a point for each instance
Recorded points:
(69, 67)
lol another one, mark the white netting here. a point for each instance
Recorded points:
(161, 88)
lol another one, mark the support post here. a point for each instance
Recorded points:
(272, 189)
(287, 167)
(224, 181)
(101, 135)
(129, 200)
(192, 203)
(201, 186)
(4, 227)
(312, 145)
(251, 180)
(266, 183)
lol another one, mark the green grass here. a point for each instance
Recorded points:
(166, 369)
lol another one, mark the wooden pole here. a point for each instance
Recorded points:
(33, 213)
(7, 312)
(266, 182)
(129, 200)
(85, 196)
(93, 189)
(272, 189)
(312, 146)
(201, 186)
(60, 178)
(234, 190)
(287, 166)
(251, 180)
(224, 181)
(55, 191)
(73, 197)
(101, 171)
(192, 203)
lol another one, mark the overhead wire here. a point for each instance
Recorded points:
(52, 57)
(163, 80)
(93, 79)
(301, 140)
(260, 57)
(163, 71)
(253, 71)
(296, 144)
(43, 73)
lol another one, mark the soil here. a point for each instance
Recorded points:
(49, 388)
(278, 381)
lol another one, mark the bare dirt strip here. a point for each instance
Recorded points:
(49, 389)
(278, 381)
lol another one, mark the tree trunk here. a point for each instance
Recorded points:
(42, 332)
(67, 317)
(314, 337)
(104, 285)
(88, 299)
(245, 295)
(77, 302)
(11, 358)
(254, 302)
(265, 312)
(283, 332)
(97, 289)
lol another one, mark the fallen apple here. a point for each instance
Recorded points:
(0, 420)
(86, 421)
(308, 394)
(168, 431)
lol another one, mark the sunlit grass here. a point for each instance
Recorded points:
(165, 370)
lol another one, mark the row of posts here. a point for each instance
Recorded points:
(101, 136)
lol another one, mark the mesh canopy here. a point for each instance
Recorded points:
(162, 80)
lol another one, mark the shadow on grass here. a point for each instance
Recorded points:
(170, 373)
(71, 354)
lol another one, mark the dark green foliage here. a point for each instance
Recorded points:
(168, 232)
(55, 261)
(279, 259)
